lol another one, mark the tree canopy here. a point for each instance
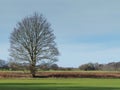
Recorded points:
(33, 40)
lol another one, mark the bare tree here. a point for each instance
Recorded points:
(32, 41)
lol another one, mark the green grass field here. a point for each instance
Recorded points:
(60, 84)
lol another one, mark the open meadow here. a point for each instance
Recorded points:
(60, 84)
(60, 80)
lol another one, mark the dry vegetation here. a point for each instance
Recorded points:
(14, 74)
(61, 74)
(81, 74)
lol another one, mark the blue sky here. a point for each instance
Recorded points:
(86, 30)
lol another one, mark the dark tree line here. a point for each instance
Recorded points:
(112, 66)
(4, 65)
(15, 66)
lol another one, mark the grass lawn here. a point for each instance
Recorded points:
(60, 84)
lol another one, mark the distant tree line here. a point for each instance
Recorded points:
(112, 66)
(4, 65)
(14, 66)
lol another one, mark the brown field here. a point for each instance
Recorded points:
(60, 74)
(81, 74)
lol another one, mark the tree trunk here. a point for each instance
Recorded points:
(33, 70)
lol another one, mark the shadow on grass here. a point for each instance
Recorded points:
(37, 87)
(89, 88)
(49, 86)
